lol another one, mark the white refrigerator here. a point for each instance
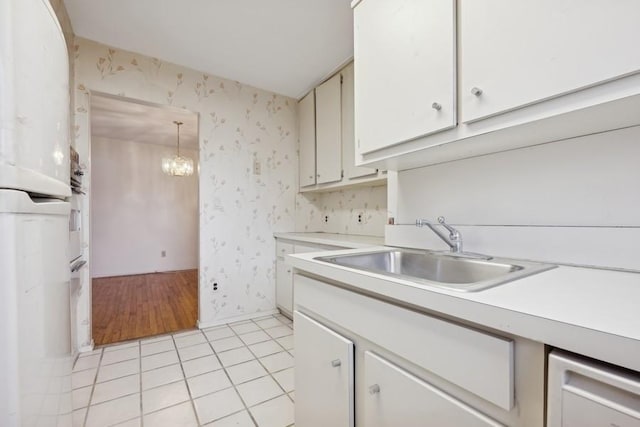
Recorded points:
(35, 345)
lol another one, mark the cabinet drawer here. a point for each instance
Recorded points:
(283, 248)
(477, 361)
(394, 397)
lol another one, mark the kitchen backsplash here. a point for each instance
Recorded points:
(357, 210)
(238, 211)
(574, 201)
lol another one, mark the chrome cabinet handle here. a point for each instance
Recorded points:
(374, 389)
(336, 363)
(436, 106)
(476, 91)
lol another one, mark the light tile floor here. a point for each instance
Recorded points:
(239, 374)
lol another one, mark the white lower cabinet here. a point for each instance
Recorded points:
(395, 397)
(284, 271)
(409, 368)
(284, 287)
(324, 375)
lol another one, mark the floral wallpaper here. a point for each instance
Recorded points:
(238, 211)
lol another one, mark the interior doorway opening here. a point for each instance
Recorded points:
(143, 220)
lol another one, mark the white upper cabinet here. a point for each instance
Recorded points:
(405, 72)
(327, 147)
(515, 53)
(351, 171)
(329, 131)
(307, 136)
(527, 73)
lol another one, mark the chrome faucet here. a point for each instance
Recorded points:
(454, 239)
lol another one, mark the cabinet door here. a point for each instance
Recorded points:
(328, 131)
(284, 286)
(394, 397)
(348, 137)
(307, 137)
(323, 375)
(405, 70)
(521, 52)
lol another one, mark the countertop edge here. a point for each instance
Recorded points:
(613, 348)
(350, 241)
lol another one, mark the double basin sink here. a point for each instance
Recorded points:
(462, 272)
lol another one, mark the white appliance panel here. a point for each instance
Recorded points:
(34, 100)
(584, 393)
(35, 362)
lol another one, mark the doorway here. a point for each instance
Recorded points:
(144, 221)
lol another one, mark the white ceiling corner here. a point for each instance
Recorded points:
(284, 46)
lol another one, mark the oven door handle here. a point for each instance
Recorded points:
(78, 265)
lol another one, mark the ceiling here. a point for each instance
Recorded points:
(284, 46)
(119, 118)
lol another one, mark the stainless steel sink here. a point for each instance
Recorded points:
(452, 271)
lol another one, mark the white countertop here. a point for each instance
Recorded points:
(588, 311)
(343, 240)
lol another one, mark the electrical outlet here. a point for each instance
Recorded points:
(257, 168)
(359, 218)
(163, 254)
(326, 218)
(215, 286)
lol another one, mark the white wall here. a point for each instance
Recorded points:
(576, 201)
(137, 211)
(341, 209)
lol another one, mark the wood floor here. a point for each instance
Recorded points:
(128, 307)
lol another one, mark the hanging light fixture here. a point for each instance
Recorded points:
(177, 165)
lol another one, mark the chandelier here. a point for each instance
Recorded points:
(177, 165)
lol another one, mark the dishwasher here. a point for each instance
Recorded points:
(587, 393)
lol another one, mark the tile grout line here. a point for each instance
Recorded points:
(172, 338)
(237, 335)
(96, 383)
(184, 378)
(224, 369)
(140, 381)
(93, 387)
(284, 350)
(264, 367)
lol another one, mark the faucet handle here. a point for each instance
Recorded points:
(453, 233)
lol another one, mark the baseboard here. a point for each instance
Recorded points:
(219, 322)
(87, 348)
